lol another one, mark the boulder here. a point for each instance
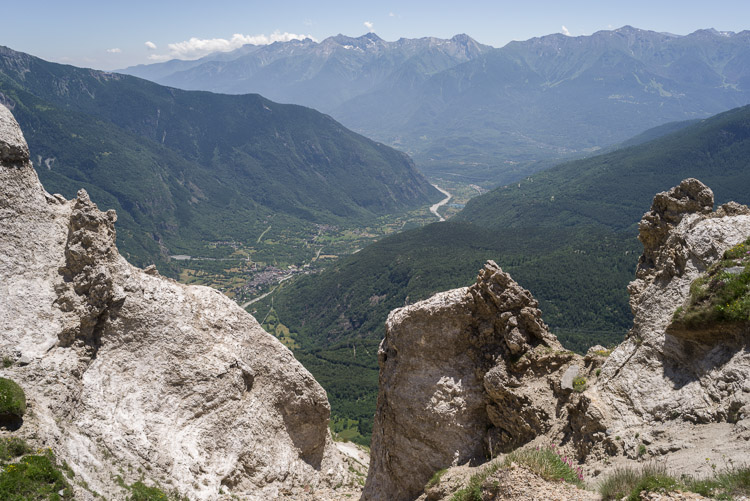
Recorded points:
(566, 383)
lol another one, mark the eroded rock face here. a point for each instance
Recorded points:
(660, 254)
(13, 148)
(658, 376)
(130, 372)
(463, 375)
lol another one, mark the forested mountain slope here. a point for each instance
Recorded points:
(185, 168)
(567, 234)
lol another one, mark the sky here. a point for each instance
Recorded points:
(111, 34)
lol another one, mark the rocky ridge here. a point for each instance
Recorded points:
(128, 373)
(464, 375)
(472, 373)
(659, 375)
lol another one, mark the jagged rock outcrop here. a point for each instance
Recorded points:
(473, 372)
(662, 254)
(657, 375)
(463, 375)
(126, 371)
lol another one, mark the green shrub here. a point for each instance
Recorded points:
(12, 403)
(579, 384)
(624, 481)
(473, 491)
(548, 463)
(435, 479)
(34, 477)
(654, 482)
(141, 492)
(12, 398)
(629, 483)
(739, 251)
(718, 295)
(729, 484)
(12, 447)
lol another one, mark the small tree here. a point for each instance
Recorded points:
(12, 403)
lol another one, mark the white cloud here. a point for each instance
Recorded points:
(197, 47)
(369, 25)
(114, 51)
(150, 45)
(565, 31)
(391, 14)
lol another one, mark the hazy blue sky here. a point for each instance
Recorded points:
(109, 34)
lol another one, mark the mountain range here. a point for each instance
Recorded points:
(483, 114)
(184, 169)
(323, 75)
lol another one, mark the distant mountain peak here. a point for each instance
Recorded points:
(294, 41)
(465, 40)
(628, 29)
(372, 36)
(712, 33)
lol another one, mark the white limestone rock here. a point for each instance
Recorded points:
(657, 375)
(133, 374)
(463, 375)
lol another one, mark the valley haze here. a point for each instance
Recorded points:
(472, 113)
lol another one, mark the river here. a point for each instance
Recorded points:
(434, 208)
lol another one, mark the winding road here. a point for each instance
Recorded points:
(434, 208)
(245, 305)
